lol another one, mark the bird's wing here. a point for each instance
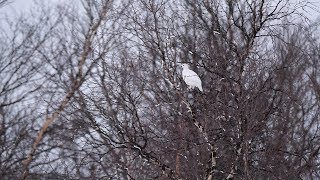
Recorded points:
(191, 78)
(188, 73)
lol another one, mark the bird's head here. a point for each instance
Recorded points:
(185, 66)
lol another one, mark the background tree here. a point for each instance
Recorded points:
(103, 97)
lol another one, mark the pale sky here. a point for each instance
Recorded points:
(17, 6)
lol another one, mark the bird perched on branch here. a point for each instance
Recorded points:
(191, 78)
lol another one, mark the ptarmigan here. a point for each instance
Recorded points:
(191, 78)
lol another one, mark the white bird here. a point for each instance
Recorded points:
(191, 78)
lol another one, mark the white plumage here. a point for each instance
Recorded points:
(191, 78)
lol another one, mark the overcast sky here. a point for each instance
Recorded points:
(17, 7)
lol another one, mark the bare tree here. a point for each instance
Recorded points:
(4, 2)
(65, 77)
(109, 101)
(153, 128)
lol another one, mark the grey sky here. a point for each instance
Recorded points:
(18, 6)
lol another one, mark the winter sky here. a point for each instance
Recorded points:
(18, 6)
